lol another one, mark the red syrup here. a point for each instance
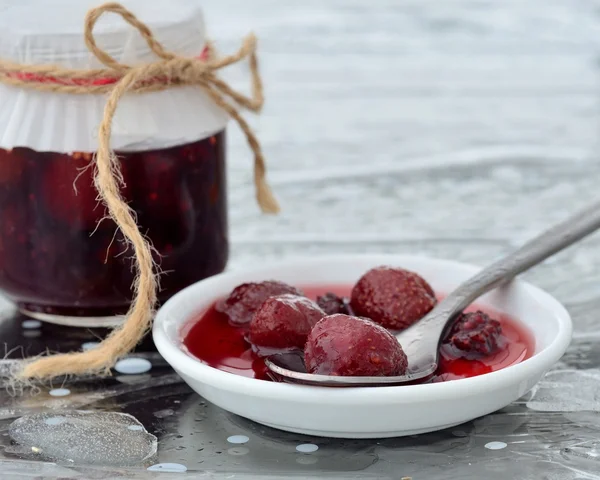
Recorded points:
(214, 341)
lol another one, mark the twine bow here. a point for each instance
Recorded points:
(118, 79)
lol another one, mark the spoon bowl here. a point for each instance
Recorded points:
(290, 367)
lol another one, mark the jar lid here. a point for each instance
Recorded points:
(51, 33)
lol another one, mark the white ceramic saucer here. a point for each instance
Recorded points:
(364, 412)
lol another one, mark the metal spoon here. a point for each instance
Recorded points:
(421, 341)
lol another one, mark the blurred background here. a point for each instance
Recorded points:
(456, 128)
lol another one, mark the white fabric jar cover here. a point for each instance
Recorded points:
(43, 32)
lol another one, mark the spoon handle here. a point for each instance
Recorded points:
(421, 341)
(533, 252)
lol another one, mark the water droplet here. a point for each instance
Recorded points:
(32, 333)
(307, 448)
(168, 467)
(133, 365)
(307, 459)
(55, 420)
(89, 345)
(31, 324)
(167, 412)
(133, 379)
(495, 445)
(238, 439)
(84, 437)
(238, 451)
(59, 392)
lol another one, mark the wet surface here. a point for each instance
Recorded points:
(455, 130)
(83, 437)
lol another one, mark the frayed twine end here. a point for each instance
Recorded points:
(265, 197)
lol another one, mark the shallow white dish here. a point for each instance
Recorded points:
(364, 412)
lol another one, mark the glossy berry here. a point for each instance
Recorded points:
(246, 299)
(476, 333)
(332, 304)
(392, 297)
(284, 322)
(12, 164)
(350, 346)
(68, 191)
(163, 183)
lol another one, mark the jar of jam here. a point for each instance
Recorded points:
(61, 258)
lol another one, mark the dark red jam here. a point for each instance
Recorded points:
(55, 259)
(212, 339)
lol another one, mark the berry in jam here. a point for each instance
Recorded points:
(284, 322)
(392, 297)
(247, 298)
(332, 304)
(475, 334)
(68, 194)
(350, 346)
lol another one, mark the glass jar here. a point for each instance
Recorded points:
(59, 260)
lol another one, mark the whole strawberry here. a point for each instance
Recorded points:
(246, 299)
(284, 322)
(351, 346)
(392, 297)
